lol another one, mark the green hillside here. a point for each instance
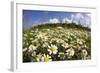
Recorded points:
(56, 42)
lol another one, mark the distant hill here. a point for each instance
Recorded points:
(69, 25)
(59, 41)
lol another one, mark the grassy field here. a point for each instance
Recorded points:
(56, 42)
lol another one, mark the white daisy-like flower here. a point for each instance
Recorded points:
(34, 41)
(46, 58)
(84, 52)
(31, 33)
(60, 27)
(70, 52)
(59, 41)
(52, 39)
(31, 39)
(40, 35)
(52, 49)
(85, 55)
(24, 49)
(48, 29)
(85, 46)
(45, 38)
(33, 54)
(45, 44)
(32, 48)
(25, 35)
(38, 57)
(79, 41)
(65, 45)
(61, 55)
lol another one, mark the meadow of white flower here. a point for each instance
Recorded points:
(56, 42)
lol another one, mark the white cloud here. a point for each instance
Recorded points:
(83, 19)
(66, 20)
(88, 21)
(89, 15)
(78, 18)
(54, 20)
(72, 17)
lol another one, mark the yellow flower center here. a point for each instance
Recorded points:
(70, 51)
(65, 44)
(46, 59)
(52, 49)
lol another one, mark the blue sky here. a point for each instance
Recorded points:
(34, 17)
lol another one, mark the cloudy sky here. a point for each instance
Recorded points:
(34, 17)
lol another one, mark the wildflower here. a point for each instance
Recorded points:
(46, 58)
(38, 57)
(70, 52)
(24, 38)
(33, 54)
(32, 48)
(85, 46)
(60, 27)
(79, 41)
(40, 35)
(25, 35)
(31, 33)
(59, 41)
(34, 41)
(65, 45)
(52, 49)
(84, 54)
(61, 55)
(24, 49)
(48, 29)
(45, 44)
(45, 38)
(31, 39)
(78, 47)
